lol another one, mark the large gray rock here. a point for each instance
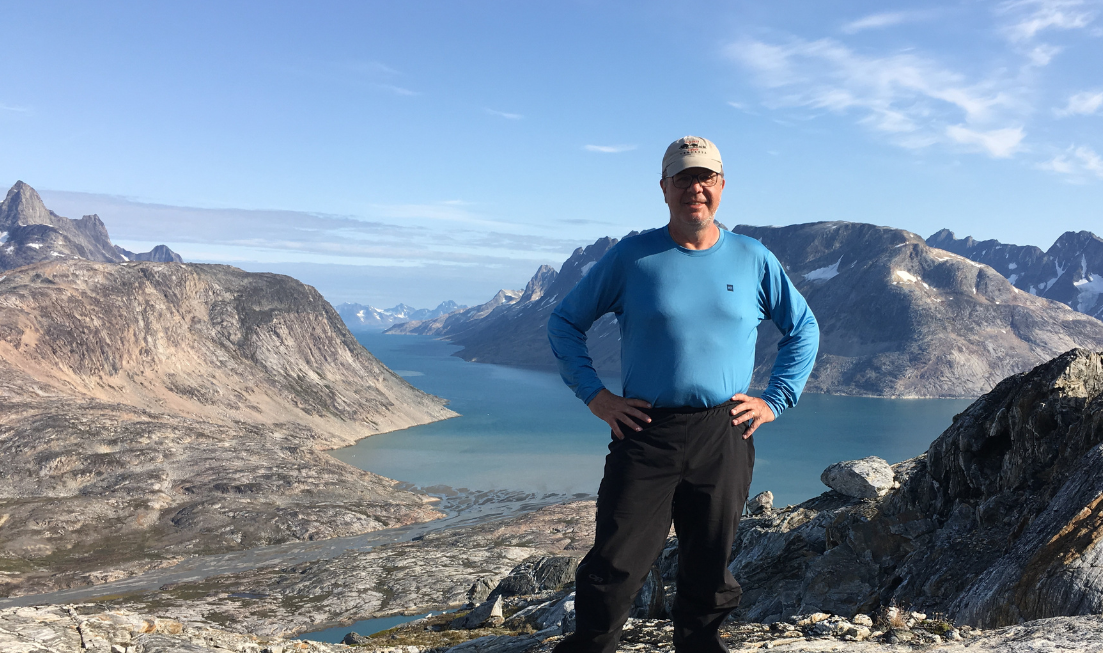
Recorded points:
(538, 574)
(868, 478)
(760, 502)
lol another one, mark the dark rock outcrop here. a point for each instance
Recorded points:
(999, 522)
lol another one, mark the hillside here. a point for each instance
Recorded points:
(899, 318)
(153, 410)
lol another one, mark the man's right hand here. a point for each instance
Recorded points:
(614, 411)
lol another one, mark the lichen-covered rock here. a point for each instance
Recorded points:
(868, 478)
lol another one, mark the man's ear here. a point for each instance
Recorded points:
(662, 185)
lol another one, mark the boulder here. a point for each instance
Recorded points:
(487, 613)
(868, 478)
(537, 575)
(761, 502)
(354, 639)
(559, 619)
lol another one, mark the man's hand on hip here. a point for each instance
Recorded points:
(753, 410)
(614, 410)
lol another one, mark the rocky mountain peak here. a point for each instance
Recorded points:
(539, 283)
(23, 206)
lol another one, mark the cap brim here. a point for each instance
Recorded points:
(685, 162)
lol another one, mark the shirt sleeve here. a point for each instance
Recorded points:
(796, 352)
(597, 293)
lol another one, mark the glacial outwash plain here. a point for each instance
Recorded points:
(156, 411)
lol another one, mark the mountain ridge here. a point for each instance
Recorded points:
(911, 327)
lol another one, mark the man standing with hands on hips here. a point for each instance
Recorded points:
(688, 299)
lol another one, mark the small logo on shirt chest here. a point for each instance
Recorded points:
(730, 288)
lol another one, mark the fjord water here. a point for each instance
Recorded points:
(522, 429)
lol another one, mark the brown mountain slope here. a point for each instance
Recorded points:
(152, 410)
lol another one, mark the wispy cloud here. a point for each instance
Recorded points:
(397, 90)
(1078, 163)
(998, 143)
(504, 114)
(439, 233)
(913, 100)
(8, 107)
(882, 20)
(609, 149)
(1083, 104)
(1026, 19)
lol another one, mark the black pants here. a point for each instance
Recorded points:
(690, 465)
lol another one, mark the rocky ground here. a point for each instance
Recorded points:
(150, 411)
(536, 628)
(440, 571)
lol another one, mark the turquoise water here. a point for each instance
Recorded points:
(524, 430)
(366, 627)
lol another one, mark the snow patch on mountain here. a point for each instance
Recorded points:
(825, 273)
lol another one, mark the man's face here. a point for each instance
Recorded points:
(696, 205)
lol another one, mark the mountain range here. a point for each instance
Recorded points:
(1070, 271)
(898, 317)
(155, 410)
(362, 316)
(30, 233)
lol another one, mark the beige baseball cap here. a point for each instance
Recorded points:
(691, 152)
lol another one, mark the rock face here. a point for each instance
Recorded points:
(998, 523)
(159, 254)
(29, 232)
(1071, 271)
(156, 410)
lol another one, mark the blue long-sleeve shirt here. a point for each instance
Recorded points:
(688, 322)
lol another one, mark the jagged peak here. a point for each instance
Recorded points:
(23, 205)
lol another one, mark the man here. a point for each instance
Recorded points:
(688, 299)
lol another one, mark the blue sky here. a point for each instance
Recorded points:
(422, 151)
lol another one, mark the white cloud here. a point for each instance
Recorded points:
(397, 90)
(609, 149)
(999, 143)
(8, 107)
(878, 21)
(1083, 104)
(1078, 163)
(911, 99)
(503, 114)
(1030, 17)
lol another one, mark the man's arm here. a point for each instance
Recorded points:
(597, 293)
(796, 352)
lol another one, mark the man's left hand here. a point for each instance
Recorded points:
(750, 409)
